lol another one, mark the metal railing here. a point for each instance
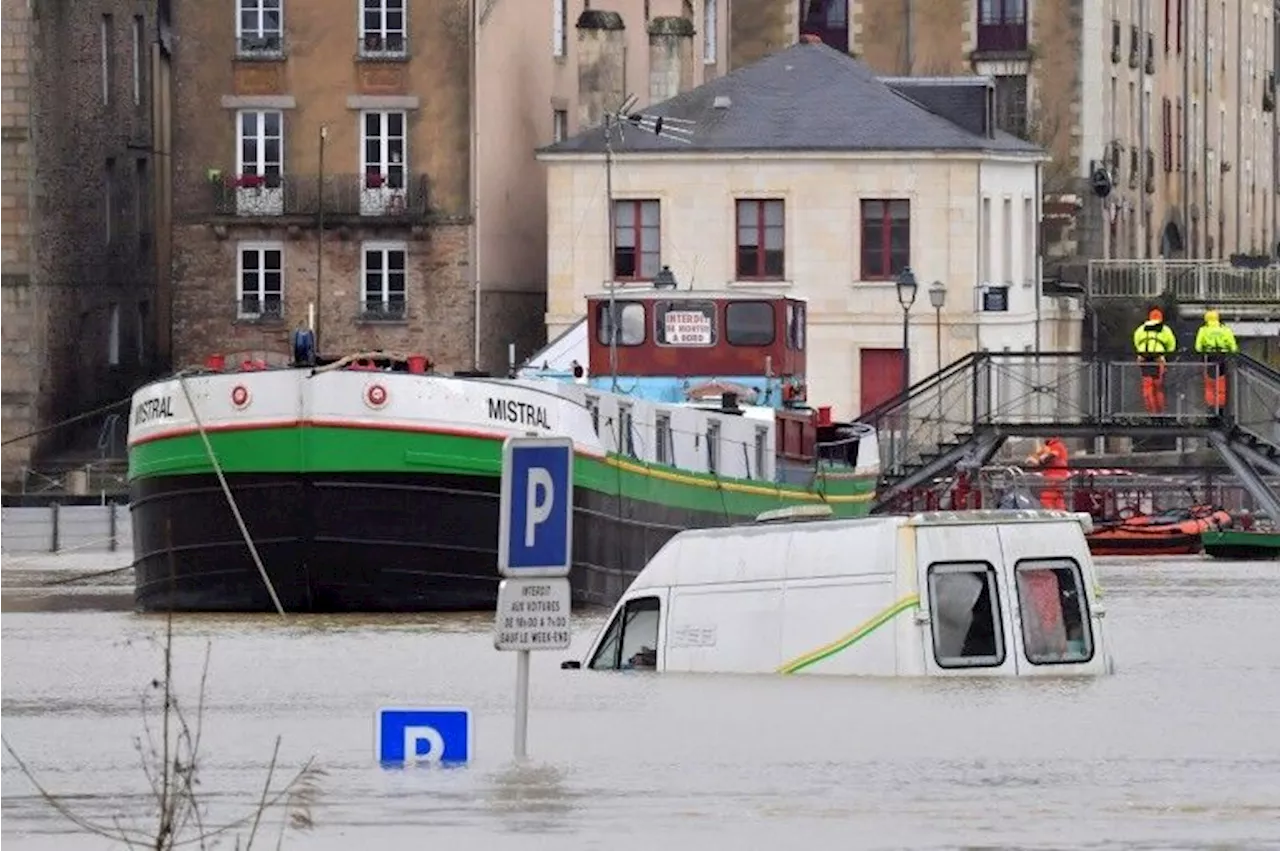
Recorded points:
(367, 196)
(1012, 390)
(1193, 281)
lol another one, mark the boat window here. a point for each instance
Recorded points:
(662, 445)
(684, 323)
(713, 447)
(632, 639)
(626, 435)
(593, 405)
(630, 328)
(762, 447)
(1055, 613)
(965, 607)
(749, 323)
(795, 325)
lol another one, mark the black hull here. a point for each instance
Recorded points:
(366, 543)
(1242, 552)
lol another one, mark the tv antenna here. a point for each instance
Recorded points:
(664, 127)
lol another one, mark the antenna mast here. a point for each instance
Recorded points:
(674, 129)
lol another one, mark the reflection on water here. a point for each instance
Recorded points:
(1178, 749)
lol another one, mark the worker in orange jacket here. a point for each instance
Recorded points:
(1052, 458)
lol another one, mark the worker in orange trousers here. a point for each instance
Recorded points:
(1052, 458)
(1153, 340)
(1214, 341)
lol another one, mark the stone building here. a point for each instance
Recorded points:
(865, 177)
(80, 249)
(1175, 97)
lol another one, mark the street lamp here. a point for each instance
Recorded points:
(937, 298)
(906, 297)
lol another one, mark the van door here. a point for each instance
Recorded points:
(966, 628)
(1055, 631)
(635, 637)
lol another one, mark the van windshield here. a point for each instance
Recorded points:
(965, 614)
(632, 639)
(1055, 613)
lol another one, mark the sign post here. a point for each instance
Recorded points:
(535, 552)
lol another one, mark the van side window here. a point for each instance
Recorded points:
(965, 607)
(632, 639)
(1055, 613)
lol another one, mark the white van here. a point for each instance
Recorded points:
(948, 593)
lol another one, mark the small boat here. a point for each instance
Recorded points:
(1242, 544)
(1169, 533)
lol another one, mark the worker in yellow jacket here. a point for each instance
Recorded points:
(1153, 340)
(1215, 341)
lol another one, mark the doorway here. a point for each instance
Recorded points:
(880, 376)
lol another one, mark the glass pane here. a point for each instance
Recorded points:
(271, 151)
(372, 155)
(773, 238)
(1055, 623)
(372, 125)
(773, 265)
(271, 282)
(965, 616)
(373, 259)
(372, 286)
(271, 258)
(395, 284)
(249, 23)
(900, 210)
(250, 260)
(773, 213)
(898, 260)
(624, 236)
(873, 265)
(748, 263)
(271, 4)
(624, 262)
(649, 264)
(649, 239)
(749, 323)
(271, 124)
(395, 127)
(649, 213)
(248, 124)
(395, 22)
(747, 213)
(748, 236)
(632, 324)
(372, 22)
(872, 211)
(271, 22)
(249, 155)
(640, 635)
(395, 260)
(606, 657)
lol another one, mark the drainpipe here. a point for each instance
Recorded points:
(474, 247)
(1184, 35)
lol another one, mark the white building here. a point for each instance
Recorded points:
(807, 174)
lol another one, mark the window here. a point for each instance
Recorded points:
(137, 59)
(829, 20)
(886, 239)
(1167, 28)
(142, 204)
(559, 125)
(636, 240)
(1002, 25)
(984, 239)
(684, 323)
(760, 240)
(1029, 273)
(1166, 134)
(261, 281)
(1177, 131)
(630, 327)
(795, 326)
(710, 29)
(713, 447)
(1178, 29)
(1116, 40)
(109, 200)
(965, 615)
(626, 431)
(106, 36)
(260, 167)
(663, 453)
(382, 31)
(382, 155)
(1006, 228)
(559, 28)
(593, 408)
(632, 638)
(1011, 104)
(113, 335)
(383, 273)
(259, 27)
(749, 323)
(762, 449)
(1055, 613)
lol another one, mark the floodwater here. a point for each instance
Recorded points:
(1179, 749)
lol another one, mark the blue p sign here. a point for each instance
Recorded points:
(535, 532)
(439, 734)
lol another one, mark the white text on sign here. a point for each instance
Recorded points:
(533, 614)
(687, 328)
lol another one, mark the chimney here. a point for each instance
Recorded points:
(670, 57)
(602, 43)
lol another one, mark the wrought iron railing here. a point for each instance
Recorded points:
(1192, 281)
(368, 196)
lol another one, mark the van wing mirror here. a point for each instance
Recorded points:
(570, 665)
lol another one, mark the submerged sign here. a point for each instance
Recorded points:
(687, 328)
(153, 409)
(518, 413)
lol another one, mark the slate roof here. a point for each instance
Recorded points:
(810, 97)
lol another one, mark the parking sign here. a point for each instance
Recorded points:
(433, 734)
(535, 525)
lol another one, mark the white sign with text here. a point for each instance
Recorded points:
(533, 614)
(687, 328)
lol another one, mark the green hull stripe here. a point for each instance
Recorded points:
(320, 449)
(846, 641)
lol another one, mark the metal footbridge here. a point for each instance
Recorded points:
(960, 417)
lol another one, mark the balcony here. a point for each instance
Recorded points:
(1002, 36)
(353, 199)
